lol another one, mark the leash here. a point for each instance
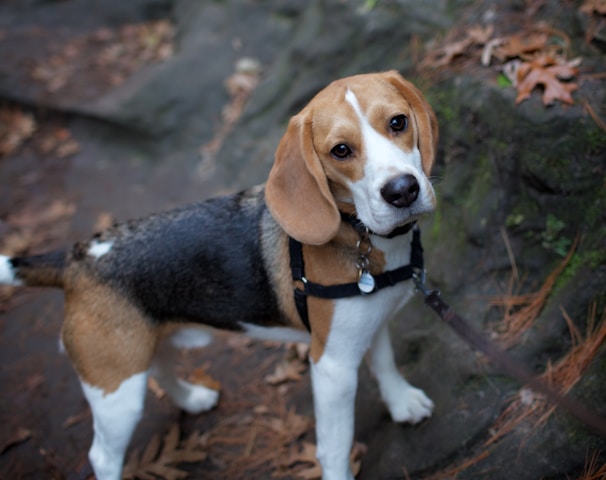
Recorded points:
(368, 284)
(508, 364)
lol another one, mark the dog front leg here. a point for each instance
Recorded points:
(405, 402)
(334, 390)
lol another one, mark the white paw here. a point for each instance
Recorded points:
(411, 405)
(197, 398)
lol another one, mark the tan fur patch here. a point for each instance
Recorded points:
(106, 337)
(332, 264)
(277, 263)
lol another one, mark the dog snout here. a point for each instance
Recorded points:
(401, 191)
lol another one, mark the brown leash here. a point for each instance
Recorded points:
(508, 364)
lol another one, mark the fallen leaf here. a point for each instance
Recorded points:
(17, 242)
(160, 456)
(296, 425)
(58, 142)
(19, 436)
(15, 128)
(30, 218)
(590, 7)
(104, 221)
(154, 387)
(475, 36)
(200, 376)
(75, 419)
(355, 459)
(521, 45)
(306, 455)
(284, 372)
(33, 381)
(547, 72)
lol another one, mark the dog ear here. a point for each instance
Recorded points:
(425, 118)
(297, 191)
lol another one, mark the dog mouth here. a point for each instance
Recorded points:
(395, 218)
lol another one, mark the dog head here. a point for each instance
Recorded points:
(364, 145)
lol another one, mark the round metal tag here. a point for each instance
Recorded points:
(366, 282)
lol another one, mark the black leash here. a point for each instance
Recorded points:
(510, 366)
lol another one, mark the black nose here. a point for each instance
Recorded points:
(401, 191)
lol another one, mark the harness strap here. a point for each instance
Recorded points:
(344, 290)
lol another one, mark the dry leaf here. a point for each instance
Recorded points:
(475, 35)
(19, 436)
(104, 221)
(521, 45)
(284, 372)
(15, 128)
(105, 58)
(306, 455)
(75, 419)
(58, 142)
(154, 387)
(200, 376)
(547, 72)
(160, 457)
(355, 459)
(57, 210)
(590, 7)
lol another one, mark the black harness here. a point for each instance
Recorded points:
(383, 280)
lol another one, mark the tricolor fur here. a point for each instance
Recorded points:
(138, 291)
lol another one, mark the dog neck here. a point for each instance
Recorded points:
(359, 227)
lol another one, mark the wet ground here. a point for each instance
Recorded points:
(46, 425)
(51, 197)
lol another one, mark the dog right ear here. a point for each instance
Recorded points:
(297, 191)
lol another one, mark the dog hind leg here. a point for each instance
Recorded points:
(191, 398)
(115, 416)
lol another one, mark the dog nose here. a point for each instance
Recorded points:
(401, 191)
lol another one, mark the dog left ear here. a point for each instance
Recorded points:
(425, 118)
(297, 191)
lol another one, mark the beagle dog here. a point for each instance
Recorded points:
(349, 179)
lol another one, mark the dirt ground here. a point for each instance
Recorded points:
(55, 187)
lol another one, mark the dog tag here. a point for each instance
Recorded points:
(366, 282)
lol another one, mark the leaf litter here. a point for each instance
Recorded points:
(535, 57)
(255, 432)
(161, 455)
(527, 407)
(93, 63)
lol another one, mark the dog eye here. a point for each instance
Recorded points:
(341, 151)
(399, 123)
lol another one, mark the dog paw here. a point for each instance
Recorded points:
(197, 399)
(412, 406)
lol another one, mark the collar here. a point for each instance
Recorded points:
(359, 227)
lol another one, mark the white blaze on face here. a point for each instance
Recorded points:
(384, 161)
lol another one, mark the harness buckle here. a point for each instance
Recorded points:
(419, 276)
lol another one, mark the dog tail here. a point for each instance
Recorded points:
(44, 270)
